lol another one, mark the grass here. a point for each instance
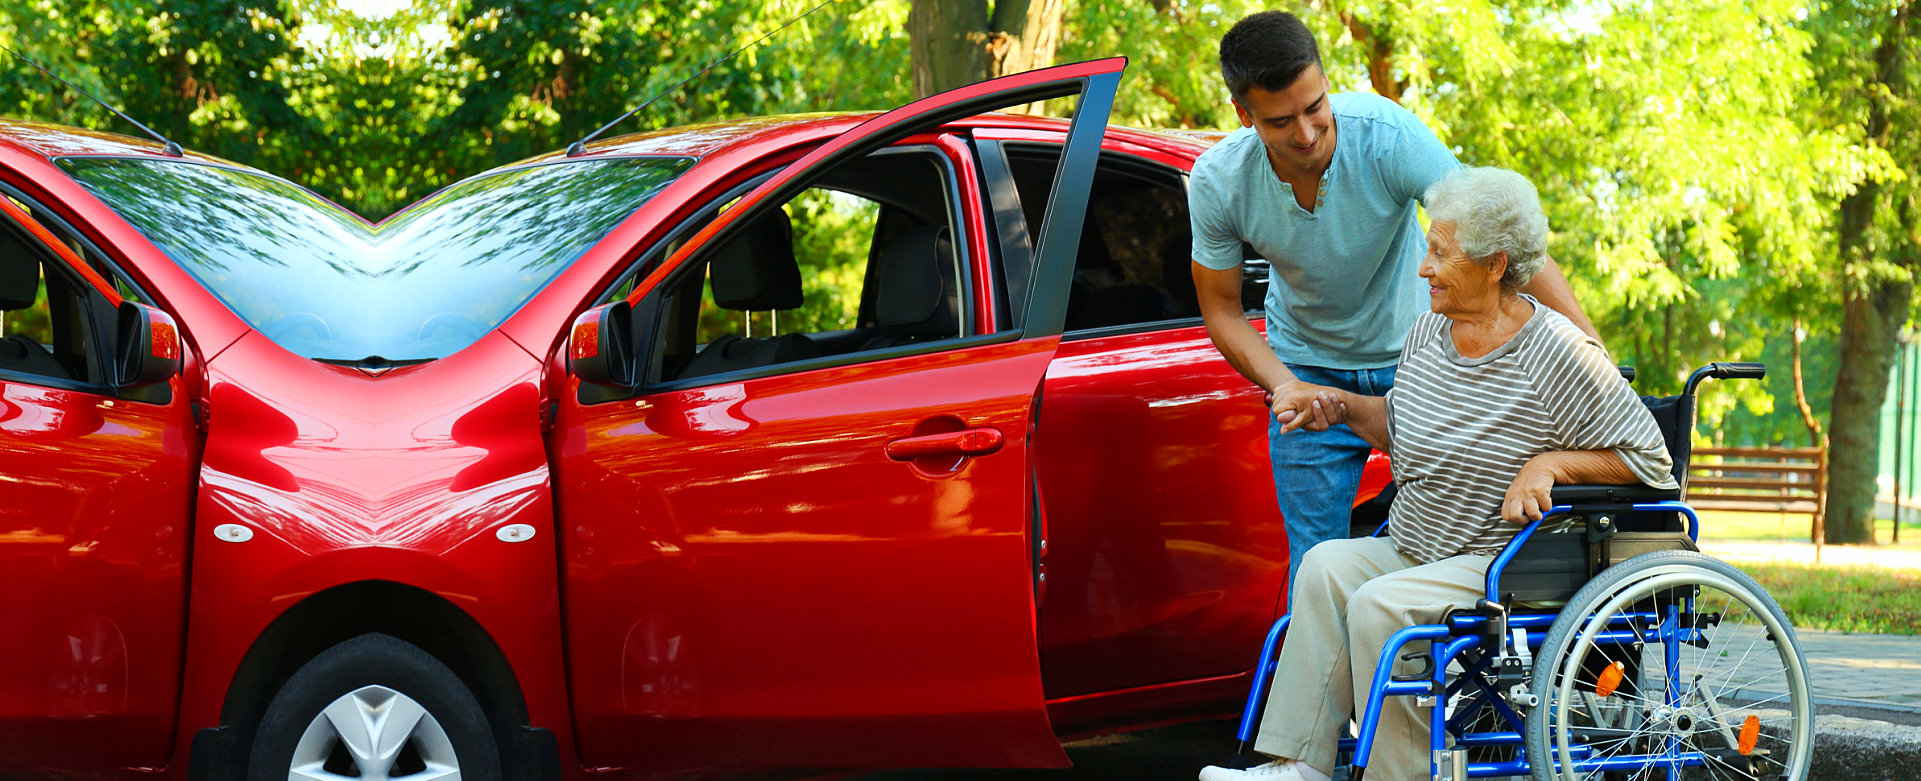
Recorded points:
(1835, 596)
(1881, 600)
(1787, 527)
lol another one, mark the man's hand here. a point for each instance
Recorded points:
(1300, 405)
(1529, 496)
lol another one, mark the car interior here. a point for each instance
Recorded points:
(1133, 261)
(1133, 264)
(45, 326)
(864, 260)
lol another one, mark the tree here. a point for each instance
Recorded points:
(1872, 72)
(959, 42)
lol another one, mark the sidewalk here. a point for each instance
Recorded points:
(1866, 687)
(1846, 669)
(1872, 671)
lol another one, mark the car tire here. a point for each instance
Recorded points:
(374, 707)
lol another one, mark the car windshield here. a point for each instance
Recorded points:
(325, 285)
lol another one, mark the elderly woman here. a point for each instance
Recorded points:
(1498, 399)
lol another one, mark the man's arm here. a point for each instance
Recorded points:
(1219, 294)
(1317, 407)
(1551, 288)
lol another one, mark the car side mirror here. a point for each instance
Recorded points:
(147, 350)
(600, 346)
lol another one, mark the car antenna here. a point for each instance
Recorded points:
(574, 149)
(168, 146)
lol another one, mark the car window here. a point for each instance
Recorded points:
(50, 320)
(864, 260)
(1133, 266)
(1133, 261)
(325, 285)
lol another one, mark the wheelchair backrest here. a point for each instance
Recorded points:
(1675, 417)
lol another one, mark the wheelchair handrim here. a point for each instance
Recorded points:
(1656, 579)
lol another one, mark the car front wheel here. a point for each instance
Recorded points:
(374, 708)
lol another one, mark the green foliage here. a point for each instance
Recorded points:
(1692, 155)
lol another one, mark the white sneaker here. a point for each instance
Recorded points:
(1278, 770)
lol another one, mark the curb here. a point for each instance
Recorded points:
(1851, 749)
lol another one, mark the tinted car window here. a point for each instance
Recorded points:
(865, 260)
(1132, 266)
(325, 285)
(48, 317)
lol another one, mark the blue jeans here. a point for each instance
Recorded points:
(1316, 473)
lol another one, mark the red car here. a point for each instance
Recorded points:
(571, 469)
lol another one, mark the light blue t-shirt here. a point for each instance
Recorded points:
(1344, 286)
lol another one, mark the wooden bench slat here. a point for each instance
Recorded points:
(1752, 483)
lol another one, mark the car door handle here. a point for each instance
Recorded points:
(966, 442)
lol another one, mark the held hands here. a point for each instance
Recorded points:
(1529, 496)
(1300, 405)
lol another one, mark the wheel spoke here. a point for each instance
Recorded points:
(402, 715)
(1679, 698)
(349, 718)
(374, 724)
(312, 771)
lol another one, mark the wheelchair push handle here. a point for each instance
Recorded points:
(1742, 370)
(1726, 370)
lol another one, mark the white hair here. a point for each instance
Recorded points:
(1493, 210)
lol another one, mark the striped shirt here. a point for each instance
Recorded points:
(1460, 429)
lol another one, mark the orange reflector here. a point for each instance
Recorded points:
(1750, 731)
(1610, 679)
(166, 341)
(586, 340)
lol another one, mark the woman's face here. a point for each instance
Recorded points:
(1458, 285)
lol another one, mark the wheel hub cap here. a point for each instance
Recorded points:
(374, 734)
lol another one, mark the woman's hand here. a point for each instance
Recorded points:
(1529, 496)
(1304, 405)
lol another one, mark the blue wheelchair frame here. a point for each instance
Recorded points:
(1459, 633)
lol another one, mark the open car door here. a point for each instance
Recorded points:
(813, 549)
(97, 464)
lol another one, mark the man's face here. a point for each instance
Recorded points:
(1294, 123)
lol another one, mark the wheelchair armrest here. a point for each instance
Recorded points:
(1583, 496)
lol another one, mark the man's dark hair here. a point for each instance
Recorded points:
(1267, 50)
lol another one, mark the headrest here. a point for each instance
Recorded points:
(919, 293)
(19, 271)
(755, 270)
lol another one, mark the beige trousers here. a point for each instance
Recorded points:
(1349, 597)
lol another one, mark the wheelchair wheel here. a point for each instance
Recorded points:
(1670, 660)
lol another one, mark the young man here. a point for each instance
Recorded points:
(1325, 187)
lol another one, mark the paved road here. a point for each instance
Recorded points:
(1865, 676)
(1875, 677)
(1860, 676)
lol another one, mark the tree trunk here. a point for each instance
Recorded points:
(1380, 57)
(954, 43)
(1870, 326)
(1873, 311)
(945, 42)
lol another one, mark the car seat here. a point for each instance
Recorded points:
(918, 290)
(19, 285)
(755, 271)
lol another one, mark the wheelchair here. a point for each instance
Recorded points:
(1605, 647)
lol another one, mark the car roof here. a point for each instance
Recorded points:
(714, 138)
(53, 141)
